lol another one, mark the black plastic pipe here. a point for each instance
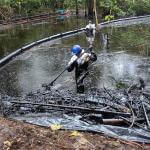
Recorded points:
(8, 58)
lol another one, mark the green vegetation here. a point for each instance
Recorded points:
(108, 9)
(134, 38)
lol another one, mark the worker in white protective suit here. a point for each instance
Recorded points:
(80, 61)
(90, 31)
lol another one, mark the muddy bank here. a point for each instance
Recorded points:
(16, 135)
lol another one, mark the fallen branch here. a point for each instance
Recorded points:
(91, 110)
(117, 101)
(110, 104)
(132, 144)
(146, 117)
(133, 116)
(137, 124)
(146, 94)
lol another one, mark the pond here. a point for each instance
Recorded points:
(123, 55)
(17, 36)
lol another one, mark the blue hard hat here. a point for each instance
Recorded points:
(76, 49)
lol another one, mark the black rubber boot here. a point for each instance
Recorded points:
(80, 88)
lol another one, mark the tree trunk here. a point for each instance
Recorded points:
(90, 9)
(77, 11)
(85, 4)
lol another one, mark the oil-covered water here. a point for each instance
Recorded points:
(123, 55)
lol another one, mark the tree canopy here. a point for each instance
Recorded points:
(108, 9)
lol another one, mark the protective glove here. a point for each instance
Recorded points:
(93, 56)
(70, 67)
(90, 48)
(67, 67)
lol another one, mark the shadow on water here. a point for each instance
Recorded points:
(122, 55)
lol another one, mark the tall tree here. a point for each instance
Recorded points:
(77, 10)
(90, 4)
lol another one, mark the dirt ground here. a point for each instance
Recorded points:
(16, 135)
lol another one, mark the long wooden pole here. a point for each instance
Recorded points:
(95, 12)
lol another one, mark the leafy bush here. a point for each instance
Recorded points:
(116, 8)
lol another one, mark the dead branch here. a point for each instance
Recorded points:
(133, 116)
(91, 110)
(146, 117)
(135, 123)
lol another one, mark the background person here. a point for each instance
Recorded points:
(90, 30)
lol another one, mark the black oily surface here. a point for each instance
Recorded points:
(113, 100)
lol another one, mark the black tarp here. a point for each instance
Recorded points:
(74, 123)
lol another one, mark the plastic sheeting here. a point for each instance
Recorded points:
(74, 123)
